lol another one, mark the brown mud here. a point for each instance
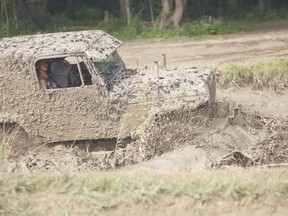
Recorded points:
(215, 137)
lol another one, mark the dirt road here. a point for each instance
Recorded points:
(219, 50)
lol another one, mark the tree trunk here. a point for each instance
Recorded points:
(202, 5)
(178, 13)
(151, 11)
(264, 5)
(166, 10)
(39, 13)
(128, 12)
(233, 4)
(125, 10)
(4, 8)
(15, 14)
(71, 5)
(236, 5)
(27, 14)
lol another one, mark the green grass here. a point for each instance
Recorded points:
(196, 29)
(249, 73)
(102, 191)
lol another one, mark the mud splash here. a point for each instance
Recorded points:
(201, 138)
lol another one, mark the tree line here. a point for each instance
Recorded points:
(36, 15)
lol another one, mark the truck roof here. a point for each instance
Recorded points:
(96, 43)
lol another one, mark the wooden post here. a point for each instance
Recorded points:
(156, 67)
(164, 61)
(106, 16)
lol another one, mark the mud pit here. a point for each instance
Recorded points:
(206, 138)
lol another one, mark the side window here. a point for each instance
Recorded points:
(64, 72)
(44, 76)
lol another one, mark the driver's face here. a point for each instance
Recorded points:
(43, 65)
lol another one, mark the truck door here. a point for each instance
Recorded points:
(77, 110)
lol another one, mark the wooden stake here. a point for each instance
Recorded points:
(156, 67)
(164, 61)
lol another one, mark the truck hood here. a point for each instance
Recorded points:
(173, 87)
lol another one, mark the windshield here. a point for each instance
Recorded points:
(109, 67)
(106, 65)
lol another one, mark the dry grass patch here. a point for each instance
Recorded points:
(72, 194)
(267, 74)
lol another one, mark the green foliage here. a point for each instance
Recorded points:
(133, 30)
(238, 73)
(220, 19)
(88, 13)
(33, 1)
(247, 73)
(205, 26)
(201, 28)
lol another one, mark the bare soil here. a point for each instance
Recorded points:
(189, 206)
(258, 46)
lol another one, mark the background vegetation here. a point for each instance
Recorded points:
(129, 19)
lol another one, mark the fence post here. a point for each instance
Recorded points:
(156, 67)
(164, 61)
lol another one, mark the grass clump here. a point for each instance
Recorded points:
(98, 191)
(5, 147)
(267, 74)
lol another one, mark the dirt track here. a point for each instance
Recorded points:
(219, 50)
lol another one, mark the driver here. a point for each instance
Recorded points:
(45, 82)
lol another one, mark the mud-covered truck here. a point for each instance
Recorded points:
(94, 97)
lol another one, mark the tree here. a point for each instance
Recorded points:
(15, 13)
(4, 8)
(151, 9)
(166, 19)
(264, 5)
(178, 13)
(166, 11)
(27, 14)
(202, 7)
(125, 10)
(35, 11)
